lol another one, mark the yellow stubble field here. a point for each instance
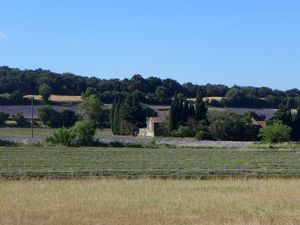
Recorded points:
(150, 201)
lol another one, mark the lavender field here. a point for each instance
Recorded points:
(26, 109)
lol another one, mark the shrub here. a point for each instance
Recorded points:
(275, 132)
(3, 118)
(202, 135)
(68, 117)
(21, 120)
(50, 116)
(63, 136)
(85, 131)
(232, 127)
(6, 143)
(184, 131)
(117, 144)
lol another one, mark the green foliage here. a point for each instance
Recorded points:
(45, 91)
(202, 135)
(284, 114)
(49, 116)
(85, 132)
(63, 136)
(184, 113)
(275, 133)
(16, 98)
(201, 109)
(128, 115)
(21, 120)
(82, 134)
(177, 114)
(296, 124)
(161, 93)
(68, 117)
(3, 118)
(92, 108)
(183, 131)
(232, 127)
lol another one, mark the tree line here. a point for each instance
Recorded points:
(150, 90)
(186, 118)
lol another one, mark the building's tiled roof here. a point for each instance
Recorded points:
(157, 119)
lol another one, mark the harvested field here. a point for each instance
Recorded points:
(62, 162)
(57, 98)
(145, 201)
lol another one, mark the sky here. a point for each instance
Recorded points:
(243, 42)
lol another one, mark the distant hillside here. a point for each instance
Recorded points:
(152, 90)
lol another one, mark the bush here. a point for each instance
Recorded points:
(63, 136)
(68, 117)
(85, 131)
(275, 132)
(50, 116)
(21, 120)
(6, 143)
(232, 127)
(202, 135)
(183, 131)
(3, 118)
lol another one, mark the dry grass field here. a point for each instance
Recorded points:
(146, 201)
(57, 98)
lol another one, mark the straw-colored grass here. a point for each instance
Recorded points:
(57, 98)
(142, 202)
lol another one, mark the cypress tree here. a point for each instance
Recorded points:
(200, 107)
(296, 123)
(186, 109)
(284, 114)
(172, 114)
(116, 117)
(111, 116)
(191, 110)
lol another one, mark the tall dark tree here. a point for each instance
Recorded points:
(177, 113)
(127, 115)
(284, 114)
(172, 123)
(200, 107)
(296, 124)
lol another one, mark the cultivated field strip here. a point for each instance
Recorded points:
(60, 162)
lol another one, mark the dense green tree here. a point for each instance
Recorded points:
(232, 127)
(296, 124)
(92, 109)
(45, 91)
(69, 118)
(127, 115)
(50, 116)
(85, 131)
(284, 114)
(29, 82)
(161, 93)
(200, 107)
(275, 132)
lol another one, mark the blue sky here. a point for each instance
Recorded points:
(244, 42)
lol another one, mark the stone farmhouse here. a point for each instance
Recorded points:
(154, 127)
